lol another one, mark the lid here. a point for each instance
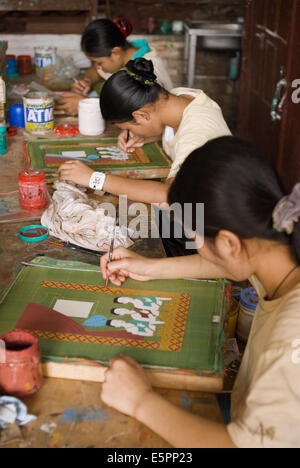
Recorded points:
(24, 57)
(249, 298)
(10, 57)
(66, 129)
(31, 175)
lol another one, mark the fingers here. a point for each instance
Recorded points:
(81, 87)
(121, 361)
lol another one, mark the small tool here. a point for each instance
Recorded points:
(90, 157)
(69, 245)
(111, 250)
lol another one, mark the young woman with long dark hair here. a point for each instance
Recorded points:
(105, 43)
(251, 231)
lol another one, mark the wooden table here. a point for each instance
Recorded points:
(70, 413)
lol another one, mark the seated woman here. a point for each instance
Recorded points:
(251, 231)
(105, 44)
(145, 111)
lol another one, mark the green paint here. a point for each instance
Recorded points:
(36, 150)
(201, 349)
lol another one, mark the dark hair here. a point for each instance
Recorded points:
(102, 35)
(239, 188)
(129, 90)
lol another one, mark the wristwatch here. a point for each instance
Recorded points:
(97, 180)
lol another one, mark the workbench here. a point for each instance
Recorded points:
(70, 413)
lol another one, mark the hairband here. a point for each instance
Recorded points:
(125, 26)
(287, 212)
(139, 78)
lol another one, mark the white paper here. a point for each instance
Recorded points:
(76, 154)
(76, 309)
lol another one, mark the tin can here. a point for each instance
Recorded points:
(248, 304)
(11, 66)
(39, 113)
(3, 139)
(20, 373)
(24, 65)
(43, 57)
(32, 189)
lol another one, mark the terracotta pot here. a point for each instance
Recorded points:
(20, 374)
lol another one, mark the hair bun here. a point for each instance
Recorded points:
(142, 70)
(124, 25)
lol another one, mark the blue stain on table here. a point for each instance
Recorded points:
(76, 415)
(185, 401)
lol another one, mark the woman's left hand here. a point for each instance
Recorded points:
(126, 385)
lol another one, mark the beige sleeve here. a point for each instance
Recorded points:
(202, 125)
(270, 417)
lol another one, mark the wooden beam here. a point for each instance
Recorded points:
(93, 372)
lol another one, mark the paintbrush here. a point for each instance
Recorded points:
(69, 245)
(111, 250)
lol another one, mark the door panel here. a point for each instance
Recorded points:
(272, 41)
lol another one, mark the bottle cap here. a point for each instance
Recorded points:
(30, 175)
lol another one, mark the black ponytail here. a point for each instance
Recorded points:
(102, 35)
(129, 90)
(239, 189)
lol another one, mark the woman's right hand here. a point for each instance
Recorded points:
(81, 87)
(125, 264)
(133, 142)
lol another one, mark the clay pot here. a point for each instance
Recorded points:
(20, 374)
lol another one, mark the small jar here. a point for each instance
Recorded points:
(3, 139)
(20, 373)
(11, 66)
(248, 304)
(24, 64)
(32, 189)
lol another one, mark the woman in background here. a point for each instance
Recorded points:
(105, 44)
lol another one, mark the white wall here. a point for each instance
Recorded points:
(23, 44)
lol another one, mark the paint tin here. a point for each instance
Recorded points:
(39, 113)
(24, 64)
(16, 116)
(43, 57)
(32, 189)
(91, 122)
(3, 139)
(20, 374)
(248, 305)
(11, 66)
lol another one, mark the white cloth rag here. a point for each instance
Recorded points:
(13, 411)
(73, 217)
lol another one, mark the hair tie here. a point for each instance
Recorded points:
(147, 78)
(139, 78)
(125, 26)
(287, 212)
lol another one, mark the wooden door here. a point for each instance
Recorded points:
(271, 52)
